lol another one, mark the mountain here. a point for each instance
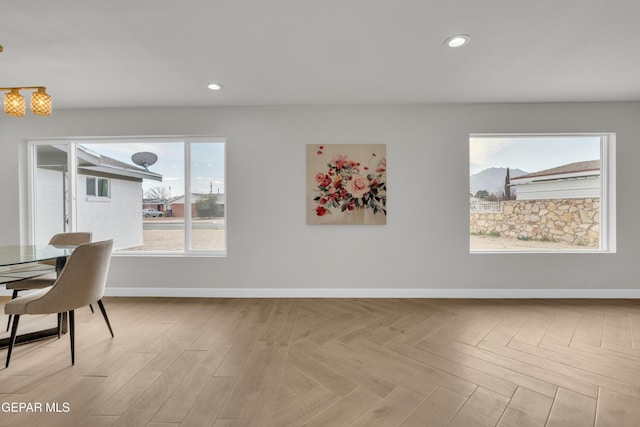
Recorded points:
(492, 179)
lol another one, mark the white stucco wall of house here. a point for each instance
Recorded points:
(49, 205)
(118, 217)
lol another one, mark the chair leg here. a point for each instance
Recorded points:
(91, 307)
(72, 328)
(59, 325)
(12, 340)
(104, 314)
(63, 326)
(13, 296)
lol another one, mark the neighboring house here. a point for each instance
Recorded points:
(108, 197)
(159, 204)
(572, 181)
(176, 204)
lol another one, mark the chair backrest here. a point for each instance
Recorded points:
(68, 239)
(72, 239)
(81, 281)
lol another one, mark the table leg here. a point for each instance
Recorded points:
(31, 336)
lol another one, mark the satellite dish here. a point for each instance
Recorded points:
(144, 159)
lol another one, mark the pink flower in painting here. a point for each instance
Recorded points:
(319, 177)
(339, 161)
(358, 186)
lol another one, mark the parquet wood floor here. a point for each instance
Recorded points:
(336, 362)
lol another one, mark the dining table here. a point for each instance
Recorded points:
(20, 262)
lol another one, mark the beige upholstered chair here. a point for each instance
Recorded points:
(47, 276)
(80, 283)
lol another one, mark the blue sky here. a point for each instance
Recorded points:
(531, 154)
(207, 163)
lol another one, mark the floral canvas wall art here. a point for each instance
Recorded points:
(347, 184)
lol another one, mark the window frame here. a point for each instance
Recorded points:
(73, 143)
(96, 188)
(607, 193)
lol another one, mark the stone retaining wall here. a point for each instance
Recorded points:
(575, 221)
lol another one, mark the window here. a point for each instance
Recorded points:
(97, 187)
(175, 204)
(542, 193)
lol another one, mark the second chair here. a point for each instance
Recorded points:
(46, 280)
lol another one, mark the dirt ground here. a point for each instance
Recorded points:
(173, 240)
(489, 243)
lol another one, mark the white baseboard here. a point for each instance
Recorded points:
(366, 293)
(372, 293)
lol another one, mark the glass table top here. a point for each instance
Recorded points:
(22, 254)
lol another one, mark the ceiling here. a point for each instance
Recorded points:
(93, 54)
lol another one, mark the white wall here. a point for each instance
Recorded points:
(424, 245)
(118, 217)
(49, 202)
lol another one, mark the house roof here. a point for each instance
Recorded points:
(568, 169)
(54, 157)
(95, 162)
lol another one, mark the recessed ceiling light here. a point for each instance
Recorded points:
(214, 86)
(458, 40)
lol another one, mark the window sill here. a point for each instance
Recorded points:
(98, 199)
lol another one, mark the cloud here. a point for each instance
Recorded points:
(482, 150)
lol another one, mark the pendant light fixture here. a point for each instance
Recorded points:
(14, 103)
